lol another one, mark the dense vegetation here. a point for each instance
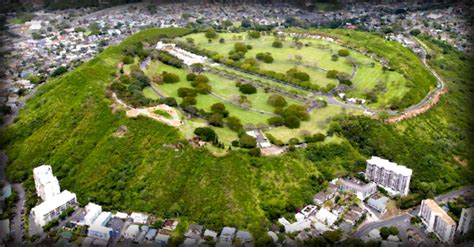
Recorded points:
(69, 124)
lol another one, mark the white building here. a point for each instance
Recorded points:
(437, 220)
(326, 217)
(92, 212)
(132, 232)
(392, 177)
(356, 187)
(47, 185)
(139, 218)
(466, 221)
(187, 57)
(53, 207)
(296, 226)
(103, 219)
(101, 232)
(227, 235)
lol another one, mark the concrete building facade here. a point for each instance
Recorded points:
(392, 177)
(47, 185)
(466, 221)
(358, 188)
(53, 207)
(437, 220)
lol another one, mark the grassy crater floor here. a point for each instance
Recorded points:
(69, 125)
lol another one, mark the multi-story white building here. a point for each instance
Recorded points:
(47, 185)
(437, 220)
(466, 221)
(92, 212)
(53, 207)
(392, 177)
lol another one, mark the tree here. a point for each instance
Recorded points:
(297, 111)
(277, 44)
(197, 67)
(247, 141)
(188, 100)
(206, 134)
(216, 120)
(343, 52)
(240, 47)
(387, 231)
(169, 77)
(201, 79)
(170, 101)
(334, 57)
(415, 32)
(222, 40)
(254, 34)
(292, 122)
(331, 74)
(276, 100)
(211, 34)
(276, 121)
(36, 35)
(59, 71)
(255, 152)
(219, 108)
(184, 92)
(234, 124)
(190, 77)
(190, 40)
(203, 88)
(247, 89)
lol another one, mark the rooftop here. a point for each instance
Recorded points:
(391, 166)
(435, 208)
(54, 202)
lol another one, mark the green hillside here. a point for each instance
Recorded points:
(69, 125)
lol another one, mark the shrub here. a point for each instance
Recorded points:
(219, 108)
(334, 57)
(222, 40)
(277, 44)
(265, 57)
(346, 82)
(343, 53)
(277, 101)
(206, 134)
(235, 143)
(170, 101)
(247, 89)
(169, 77)
(294, 141)
(415, 32)
(302, 76)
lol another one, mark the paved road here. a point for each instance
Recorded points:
(17, 221)
(454, 194)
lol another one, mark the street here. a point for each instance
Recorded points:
(17, 225)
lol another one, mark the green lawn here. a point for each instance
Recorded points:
(317, 53)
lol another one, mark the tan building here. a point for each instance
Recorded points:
(437, 220)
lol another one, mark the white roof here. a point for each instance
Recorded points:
(326, 217)
(132, 230)
(92, 207)
(273, 236)
(53, 203)
(210, 233)
(44, 174)
(139, 218)
(103, 218)
(121, 215)
(99, 228)
(391, 166)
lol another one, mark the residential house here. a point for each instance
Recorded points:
(194, 231)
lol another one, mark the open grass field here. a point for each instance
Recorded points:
(316, 60)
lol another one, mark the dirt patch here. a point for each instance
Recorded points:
(461, 161)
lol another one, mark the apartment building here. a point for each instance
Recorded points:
(437, 220)
(53, 207)
(390, 176)
(47, 185)
(466, 221)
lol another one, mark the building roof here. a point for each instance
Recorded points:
(435, 208)
(325, 216)
(379, 203)
(99, 228)
(358, 185)
(132, 229)
(162, 238)
(139, 218)
(243, 236)
(228, 231)
(391, 166)
(103, 218)
(54, 202)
